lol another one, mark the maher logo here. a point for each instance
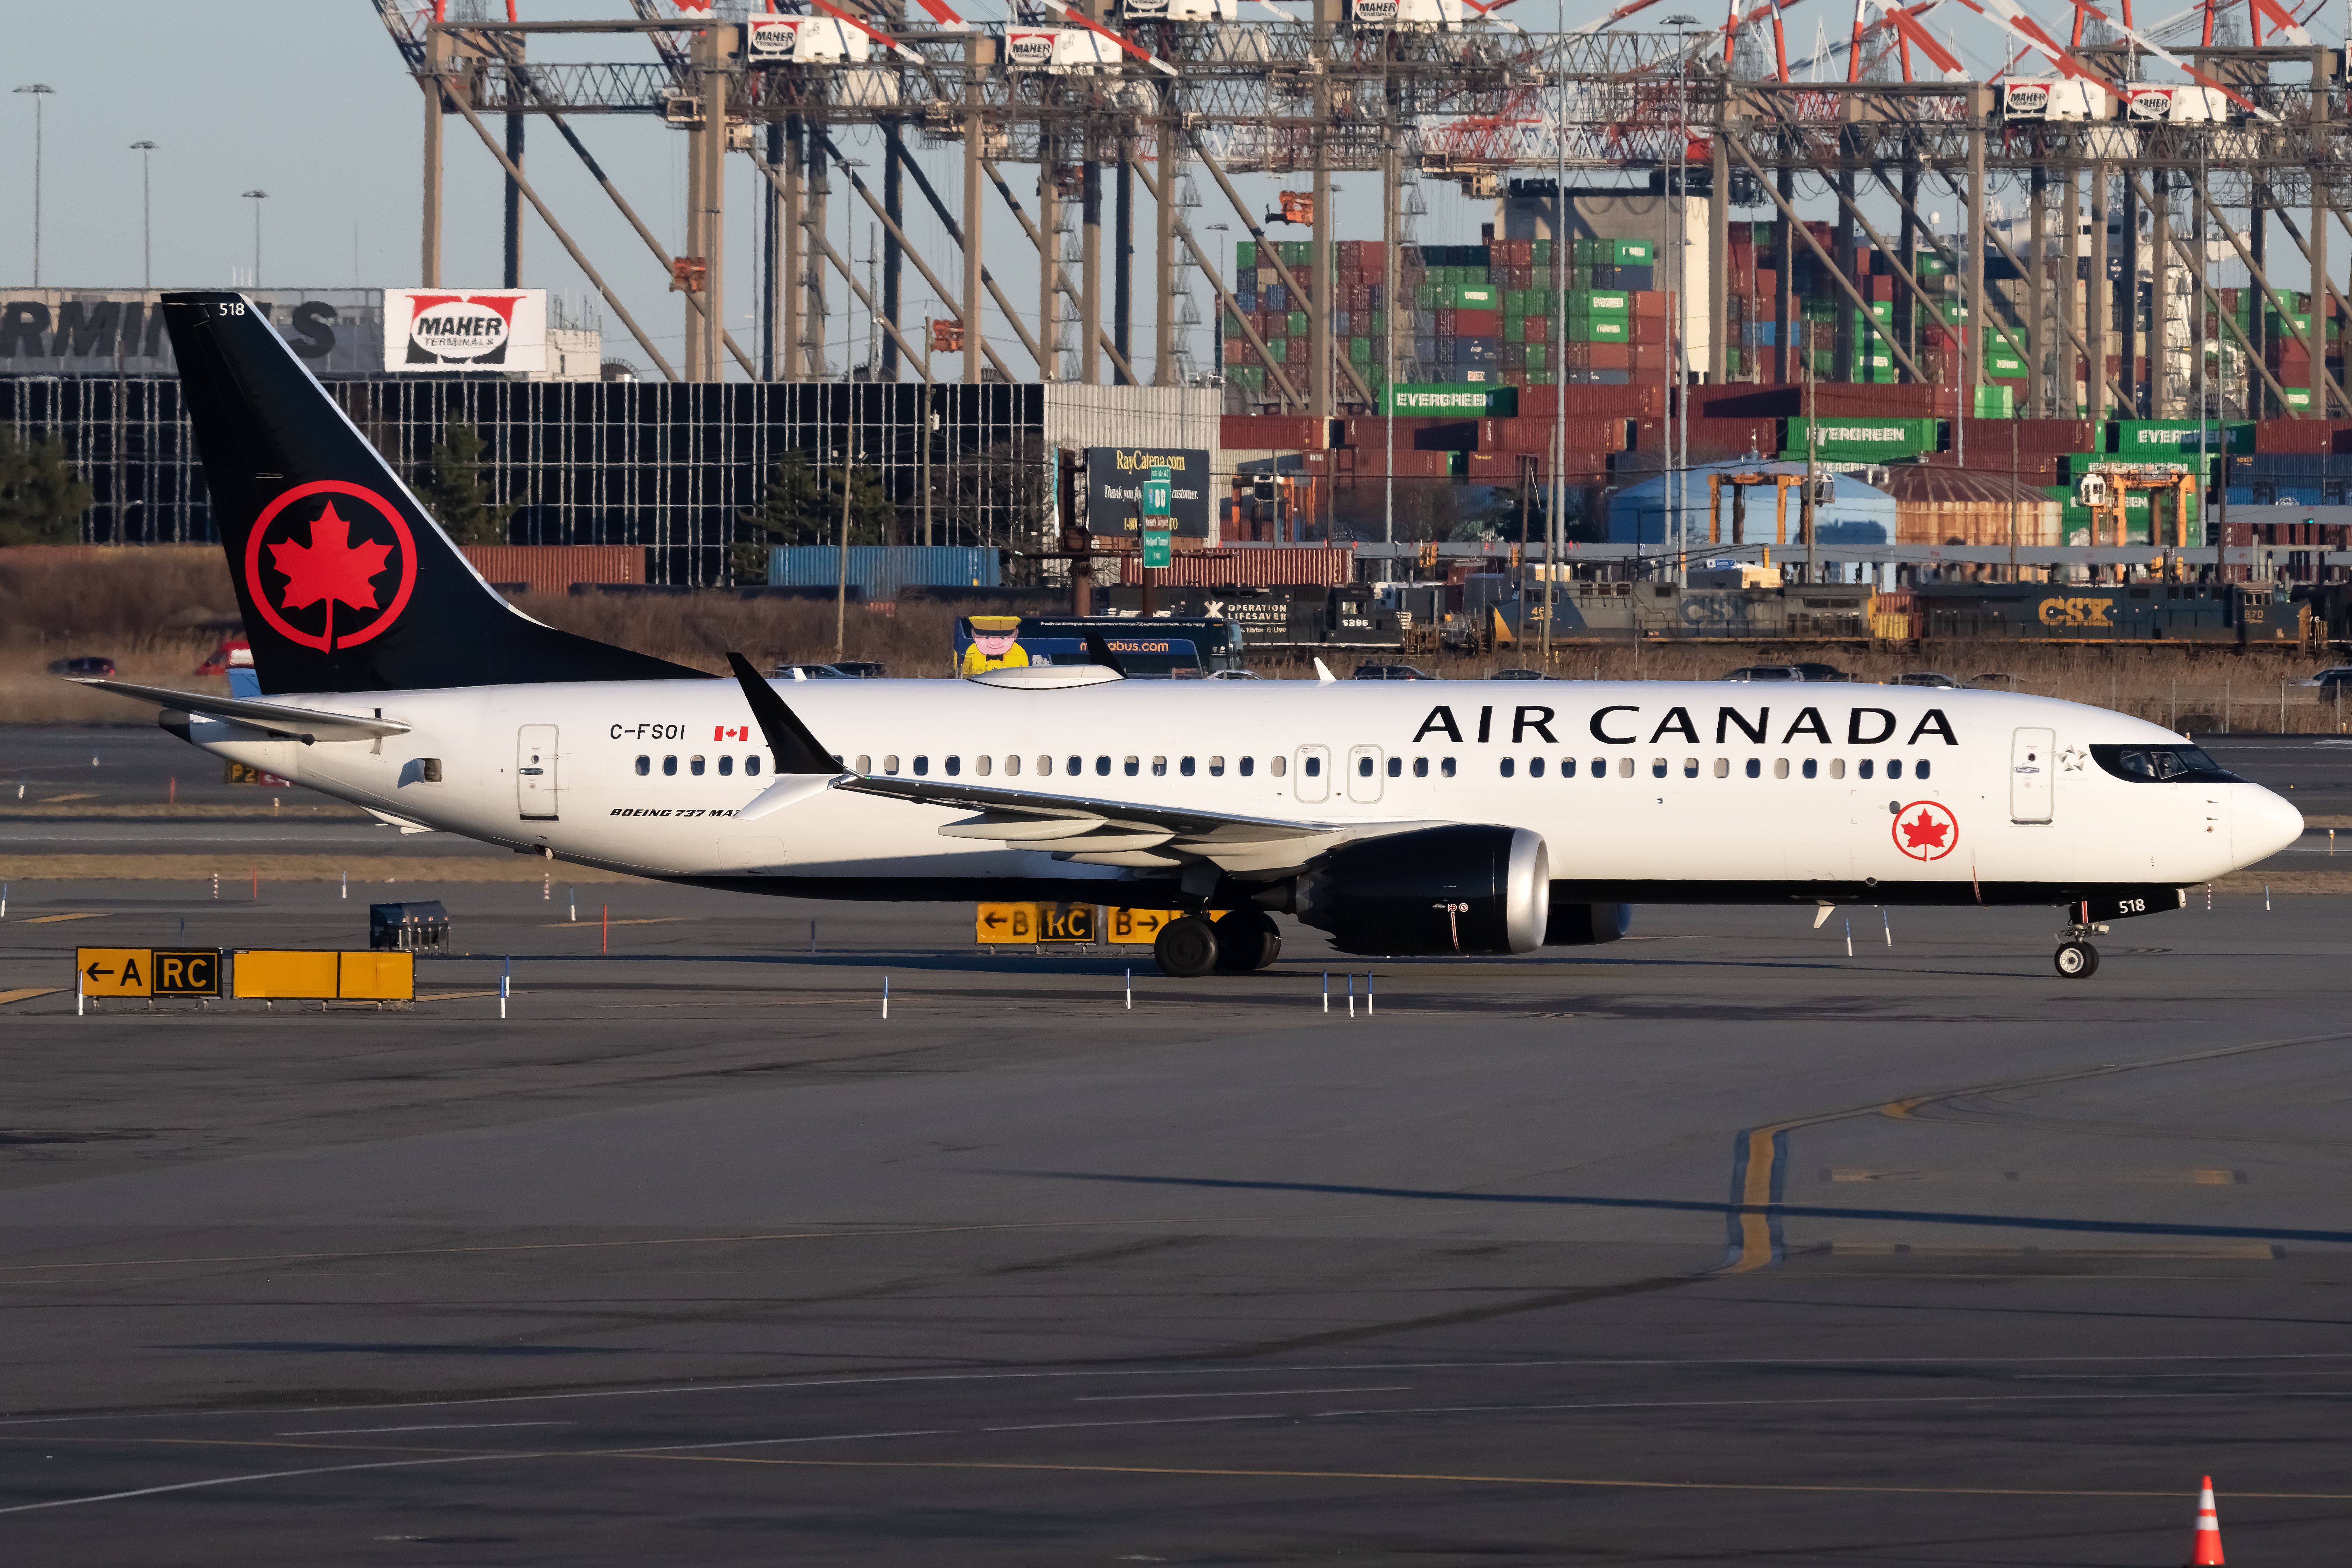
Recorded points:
(2028, 98)
(1030, 50)
(460, 329)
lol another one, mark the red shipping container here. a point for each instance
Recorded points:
(1581, 402)
(1477, 323)
(554, 568)
(1273, 432)
(1648, 359)
(2294, 434)
(1246, 567)
(1650, 304)
(1538, 330)
(1610, 356)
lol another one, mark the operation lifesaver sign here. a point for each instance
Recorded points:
(446, 328)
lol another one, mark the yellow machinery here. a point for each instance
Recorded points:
(1741, 482)
(2107, 488)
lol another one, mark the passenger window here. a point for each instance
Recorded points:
(645, 766)
(669, 767)
(1396, 767)
(1624, 767)
(890, 765)
(1813, 767)
(1277, 765)
(1508, 765)
(1779, 767)
(1445, 767)
(1132, 766)
(1077, 765)
(1600, 767)
(1159, 768)
(1044, 767)
(1921, 771)
(1012, 767)
(1657, 767)
(865, 765)
(1185, 767)
(1217, 767)
(1690, 767)
(1535, 767)
(694, 766)
(1421, 767)
(1723, 767)
(922, 766)
(726, 766)
(1895, 769)
(1248, 766)
(1364, 767)
(1102, 767)
(1755, 768)
(752, 764)
(980, 765)
(955, 766)
(1864, 768)
(1837, 767)
(1314, 767)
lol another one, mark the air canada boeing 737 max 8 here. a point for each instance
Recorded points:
(1399, 817)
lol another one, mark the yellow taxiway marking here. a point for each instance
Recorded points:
(27, 994)
(53, 919)
(2186, 1178)
(60, 799)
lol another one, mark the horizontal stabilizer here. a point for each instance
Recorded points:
(304, 724)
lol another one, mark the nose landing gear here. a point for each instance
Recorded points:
(2075, 958)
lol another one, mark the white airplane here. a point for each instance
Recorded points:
(1398, 817)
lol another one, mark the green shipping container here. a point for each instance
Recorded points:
(1360, 350)
(1599, 330)
(2297, 396)
(1995, 402)
(1296, 325)
(1380, 323)
(2007, 366)
(1542, 249)
(1476, 297)
(1245, 252)
(1930, 266)
(1454, 400)
(1607, 302)
(2165, 439)
(1515, 328)
(1631, 253)
(1862, 440)
(1540, 301)
(1538, 356)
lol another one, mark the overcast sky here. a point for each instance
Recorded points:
(310, 102)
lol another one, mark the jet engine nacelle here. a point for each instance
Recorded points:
(1440, 890)
(1586, 925)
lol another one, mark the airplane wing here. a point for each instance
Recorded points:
(289, 723)
(1098, 831)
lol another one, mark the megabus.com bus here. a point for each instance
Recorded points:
(1164, 649)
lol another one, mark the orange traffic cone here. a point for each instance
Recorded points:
(2208, 1530)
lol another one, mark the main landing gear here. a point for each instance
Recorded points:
(2077, 959)
(1245, 939)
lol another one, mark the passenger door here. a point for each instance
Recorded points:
(1364, 774)
(2031, 765)
(535, 776)
(1314, 781)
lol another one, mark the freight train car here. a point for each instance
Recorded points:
(2233, 614)
(1666, 612)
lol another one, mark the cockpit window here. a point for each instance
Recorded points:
(2162, 764)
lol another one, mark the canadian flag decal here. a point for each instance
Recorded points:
(740, 733)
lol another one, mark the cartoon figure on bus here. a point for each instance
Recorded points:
(996, 645)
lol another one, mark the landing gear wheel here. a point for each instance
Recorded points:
(1186, 948)
(1247, 941)
(2077, 960)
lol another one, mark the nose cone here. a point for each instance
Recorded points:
(2261, 825)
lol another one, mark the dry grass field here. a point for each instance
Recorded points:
(149, 610)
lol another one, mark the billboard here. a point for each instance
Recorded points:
(1115, 477)
(445, 330)
(120, 332)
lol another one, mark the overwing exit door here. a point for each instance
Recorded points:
(535, 775)
(2031, 768)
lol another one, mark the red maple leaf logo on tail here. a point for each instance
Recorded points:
(1925, 832)
(329, 569)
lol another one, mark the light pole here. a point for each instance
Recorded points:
(146, 214)
(256, 199)
(1225, 272)
(40, 90)
(1676, 335)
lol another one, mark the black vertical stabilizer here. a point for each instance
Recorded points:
(345, 583)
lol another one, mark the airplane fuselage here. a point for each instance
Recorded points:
(1647, 791)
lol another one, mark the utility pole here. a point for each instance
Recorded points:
(40, 91)
(256, 199)
(146, 214)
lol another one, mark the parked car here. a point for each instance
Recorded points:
(1232, 675)
(1764, 672)
(807, 672)
(1518, 675)
(862, 669)
(1992, 680)
(88, 665)
(1820, 672)
(1926, 677)
(233, 653)
(2334, 674)
(1390, 672)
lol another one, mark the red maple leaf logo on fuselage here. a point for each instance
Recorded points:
(1925, 831)
(331, 569)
